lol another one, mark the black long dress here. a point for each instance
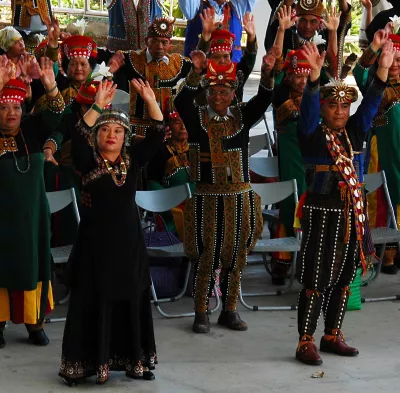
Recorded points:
(109, 323)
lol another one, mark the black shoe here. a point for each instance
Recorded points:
(201, 323)
(2, 341)
(278, 280)
(70, 382)
(146, 375)
(232, 320)
(389, 269)
(39, 338)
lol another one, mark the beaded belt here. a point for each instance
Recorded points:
(222, 189)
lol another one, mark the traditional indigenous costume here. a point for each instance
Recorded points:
(109, 323)
(162, 74)
(222, 41)
(293, 40)
(333, 213)
(286, 105)
(223, 220)
(170, 167)
(384, 145)
(128, 21)
(229, 14)
(382, 18)
(25, 290)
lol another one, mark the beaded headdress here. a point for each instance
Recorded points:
(296, 62)
(14, 91)
(79, 46)
(396, 41)
(310, 7)
(220, 75)
(161, 27)
(169, 110)
(221, 41)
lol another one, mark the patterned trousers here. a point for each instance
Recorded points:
(326, 264)
(220, 231)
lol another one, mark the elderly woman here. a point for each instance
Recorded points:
(109, 323)
(25, 291)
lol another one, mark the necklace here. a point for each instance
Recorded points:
(121, 172)
(340, 150)
(12, 144)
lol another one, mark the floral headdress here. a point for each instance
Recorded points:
(220, 75)
(161, 27)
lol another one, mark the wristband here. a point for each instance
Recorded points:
(52, 89)
(97, 109)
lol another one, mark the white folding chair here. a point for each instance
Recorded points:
(159, 201)
(58, 200)
(384, 235)
(121, 100)
(257, 143)
(271, 193)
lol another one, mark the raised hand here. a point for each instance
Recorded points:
(26, 69)
(208, 22)
(332, 19)
(269, 59)
(199, 60)
(387, 55)
(389, 28)
(366, 4)
(314, 58)
(144, 90)
(285, 18)
(46, 72)
(5, 70)
(54, 32)
(249, 25)
(105, 93)
(116, 62)
(380, 38)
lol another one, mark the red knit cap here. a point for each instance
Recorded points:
(79, 46)
(296, 62)
(396, 40)
(87, 93)
(14, 91)
(222, 41)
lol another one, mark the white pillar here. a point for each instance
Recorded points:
(261, 12)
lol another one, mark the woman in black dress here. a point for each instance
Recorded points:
(109, 323)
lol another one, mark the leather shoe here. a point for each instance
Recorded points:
(232, 320)
(39, 338)
(337, 345)
(2, 341)
(201, 323)
(307, 353)
(389, 269)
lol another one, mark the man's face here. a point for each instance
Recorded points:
(220, 98)
(307, 25)
(158, 47)
(221, 57)
(394, 70)
(298, 81)
(335, 114)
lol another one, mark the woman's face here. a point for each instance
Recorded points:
(78, 69)
(17, 49)
(110, 138)
(178, 130)
(10, 116)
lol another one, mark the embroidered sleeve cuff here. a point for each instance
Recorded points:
(267, 82)
(204, 45)
(51, 53)
(368, 58)
(193, 79)
(51, 144)
(56, 104)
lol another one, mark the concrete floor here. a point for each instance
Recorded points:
(257, 361)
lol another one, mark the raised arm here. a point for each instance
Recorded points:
(373, 96)
(184, 100)
(310, 105)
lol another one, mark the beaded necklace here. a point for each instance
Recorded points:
(121, 171)
(12, 143)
